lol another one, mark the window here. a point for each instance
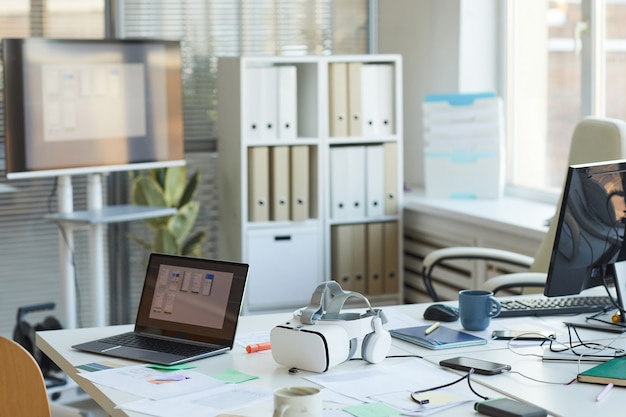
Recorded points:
(566, 60)
(207, 29)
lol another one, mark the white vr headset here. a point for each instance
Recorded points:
(318, 338)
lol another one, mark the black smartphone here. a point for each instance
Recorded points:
(522, 335)
(479, 366)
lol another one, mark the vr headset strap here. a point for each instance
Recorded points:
(317, 308)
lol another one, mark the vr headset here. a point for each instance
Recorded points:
(320, 336)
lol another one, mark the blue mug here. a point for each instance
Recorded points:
(476, 308)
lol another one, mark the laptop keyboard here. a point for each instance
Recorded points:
(158, 345)
(550, 306)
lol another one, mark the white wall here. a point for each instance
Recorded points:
(448, 46)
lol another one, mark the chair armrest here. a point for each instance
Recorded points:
(438, 256)
(514, 280)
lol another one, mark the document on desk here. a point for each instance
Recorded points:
(393, 385)
(154, 384)
(204, 403)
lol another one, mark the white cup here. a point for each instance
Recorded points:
(297, 402)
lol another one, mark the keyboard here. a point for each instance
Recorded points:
(551, 306)
(158, 345)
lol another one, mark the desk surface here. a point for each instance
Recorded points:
(576, 399)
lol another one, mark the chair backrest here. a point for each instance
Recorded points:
(22, 387)
(594, 140)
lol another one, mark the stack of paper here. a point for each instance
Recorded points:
(464, 145)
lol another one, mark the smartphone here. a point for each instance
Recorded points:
(522, 335)
(479, 366)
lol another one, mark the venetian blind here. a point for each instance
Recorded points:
(207, 29)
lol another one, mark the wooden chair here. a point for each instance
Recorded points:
(22, 387)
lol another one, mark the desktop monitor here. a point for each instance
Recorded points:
(75, 106)
(589, 243)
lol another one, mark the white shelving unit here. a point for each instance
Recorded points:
(310, 175)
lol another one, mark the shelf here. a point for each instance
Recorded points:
(112, 214)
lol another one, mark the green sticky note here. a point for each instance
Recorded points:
(372, 410)
(234, 377)
(180, 367)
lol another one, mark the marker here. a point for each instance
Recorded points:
(604, 392)
(432, 328)
(258, 347)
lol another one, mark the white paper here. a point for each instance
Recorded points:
(153, 383)
(205, 403)
(398, 380)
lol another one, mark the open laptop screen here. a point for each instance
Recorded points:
(190, 298)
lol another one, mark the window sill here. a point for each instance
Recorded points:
(511, 215)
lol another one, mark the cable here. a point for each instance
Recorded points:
(466, 376)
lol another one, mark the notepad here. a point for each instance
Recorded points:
(613, 371)
(442, 338)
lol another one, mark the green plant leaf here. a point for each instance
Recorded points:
(147, 192)
(141, 242)
(175, 179)
(158, 174)
(182, 222)
(193, 246)
(190, 189)
(165, 242)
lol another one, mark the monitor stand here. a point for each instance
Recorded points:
(607, 325)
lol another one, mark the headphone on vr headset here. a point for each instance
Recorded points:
(376, 343)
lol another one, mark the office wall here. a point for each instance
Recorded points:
(447, 46)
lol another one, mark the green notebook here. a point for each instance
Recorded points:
(613, 371)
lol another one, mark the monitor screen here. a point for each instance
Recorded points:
(590, 232)
(81, 106)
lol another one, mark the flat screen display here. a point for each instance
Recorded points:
(81, 106)
(590, 231)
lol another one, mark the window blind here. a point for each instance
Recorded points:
(207, 29)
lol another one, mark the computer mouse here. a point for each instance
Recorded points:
(441, 312)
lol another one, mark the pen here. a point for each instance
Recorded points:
(604, 392)
(257, 347)
(432, 328)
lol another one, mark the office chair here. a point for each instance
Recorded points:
(594, 140)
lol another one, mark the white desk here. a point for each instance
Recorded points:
(573, 400)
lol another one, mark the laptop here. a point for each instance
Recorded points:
(189, 309)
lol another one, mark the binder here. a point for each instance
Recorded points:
(279, 183)
(374, 250)
(287, 102)
(356, 181)
(300, 191)
(355, 120)
(338, 98)
(377, 84)
(269, 103)
(385, 108)
(348, 263)
(341, 256)
(358, 248)
(253, 103)
(374, 180)
(258, 184)
(339, 183)
(390, 262)
(391, 178)
(369, 99)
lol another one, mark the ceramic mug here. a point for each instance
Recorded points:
(298, 402)
(476, 308)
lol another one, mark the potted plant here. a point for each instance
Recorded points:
(169, 187)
